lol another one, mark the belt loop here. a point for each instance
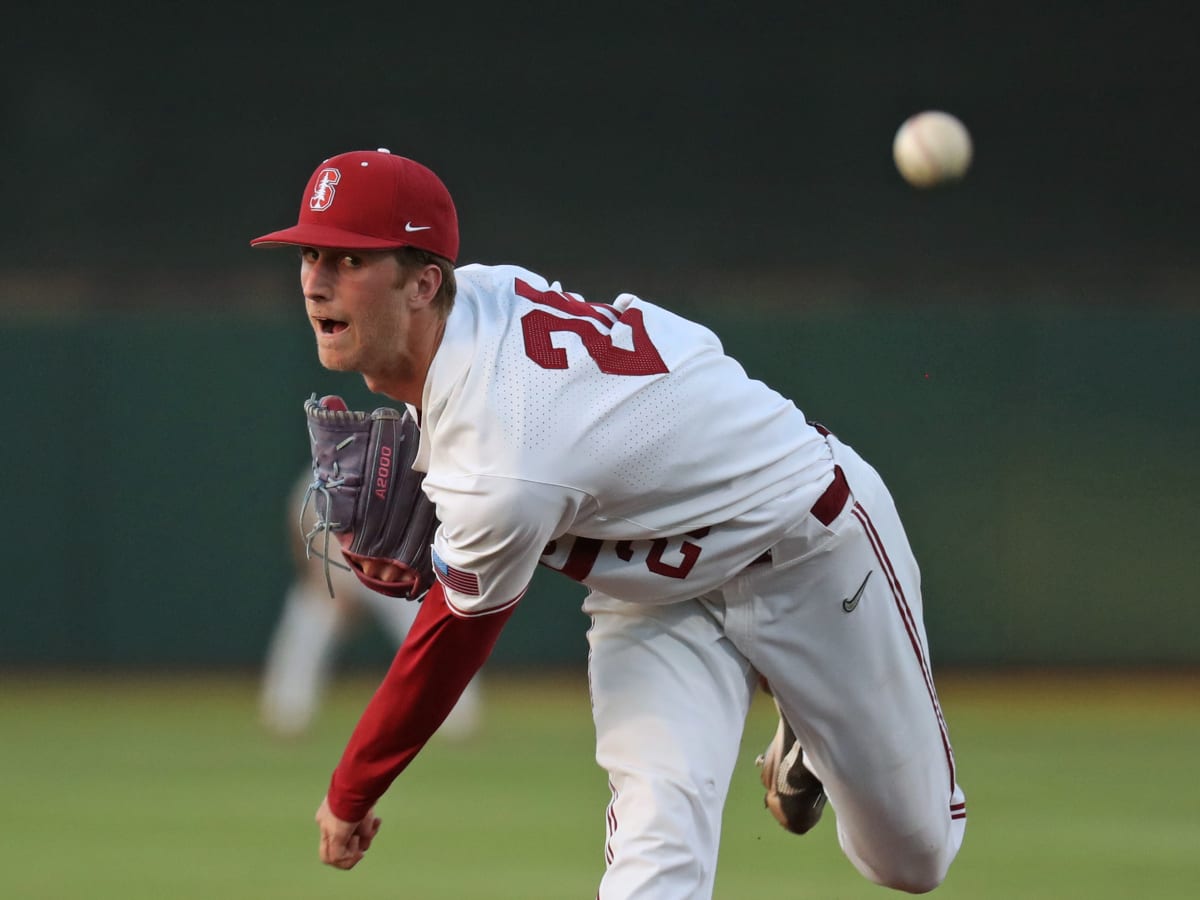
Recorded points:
(833, 501)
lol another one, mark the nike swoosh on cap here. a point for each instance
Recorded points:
(410, 227)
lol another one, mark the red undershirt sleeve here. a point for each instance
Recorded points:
(432, 668)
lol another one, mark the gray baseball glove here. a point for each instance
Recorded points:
(365, 493)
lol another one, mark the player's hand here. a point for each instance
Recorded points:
(344, 843)
(382, 569)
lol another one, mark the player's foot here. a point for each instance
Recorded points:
(795, 796)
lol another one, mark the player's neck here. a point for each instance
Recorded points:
(404, 378)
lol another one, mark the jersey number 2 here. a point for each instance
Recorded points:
(592, 323)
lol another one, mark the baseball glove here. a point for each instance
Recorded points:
(365, 493)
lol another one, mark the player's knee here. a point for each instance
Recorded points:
(919, 876)
(918, 870)
(915, 862)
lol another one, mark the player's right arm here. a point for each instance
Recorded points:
(494, 529)
(430, 671)
(492, 535)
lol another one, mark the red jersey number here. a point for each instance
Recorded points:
(592, 323)
(583, 553)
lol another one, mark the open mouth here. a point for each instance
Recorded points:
(329, 326)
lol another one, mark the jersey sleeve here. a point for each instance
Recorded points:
(440, 655)
(494, 529)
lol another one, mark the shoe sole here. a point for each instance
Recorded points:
(795, 796)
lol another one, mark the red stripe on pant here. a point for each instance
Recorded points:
(910, 626)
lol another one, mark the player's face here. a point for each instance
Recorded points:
(355, 304)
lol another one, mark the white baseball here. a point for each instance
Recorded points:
(932, 148)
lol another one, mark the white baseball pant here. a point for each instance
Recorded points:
(672, 685)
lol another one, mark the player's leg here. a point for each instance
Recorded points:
(396, 616)
(669, 698)
(844, 650)
(300, 652)
(298, 658)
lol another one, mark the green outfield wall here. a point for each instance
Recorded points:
(1044, 457)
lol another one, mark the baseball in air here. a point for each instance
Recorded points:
(932, 148)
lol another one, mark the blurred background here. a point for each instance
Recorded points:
(1017, 353)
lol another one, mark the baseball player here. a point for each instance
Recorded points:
(725, 541)
(312, 625)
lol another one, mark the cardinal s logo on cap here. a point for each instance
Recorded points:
(322, 195)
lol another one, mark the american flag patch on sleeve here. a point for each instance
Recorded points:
(456, 579)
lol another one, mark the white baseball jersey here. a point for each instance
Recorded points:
(615, 443)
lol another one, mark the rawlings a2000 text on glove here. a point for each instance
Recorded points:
(365, 493)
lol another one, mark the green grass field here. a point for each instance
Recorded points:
(164, 787)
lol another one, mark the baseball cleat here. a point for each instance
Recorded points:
(795, 796)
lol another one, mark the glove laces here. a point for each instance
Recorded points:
(317, 494)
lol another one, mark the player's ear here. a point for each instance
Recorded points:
(429, 282)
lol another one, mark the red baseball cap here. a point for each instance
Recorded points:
(372, 200)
